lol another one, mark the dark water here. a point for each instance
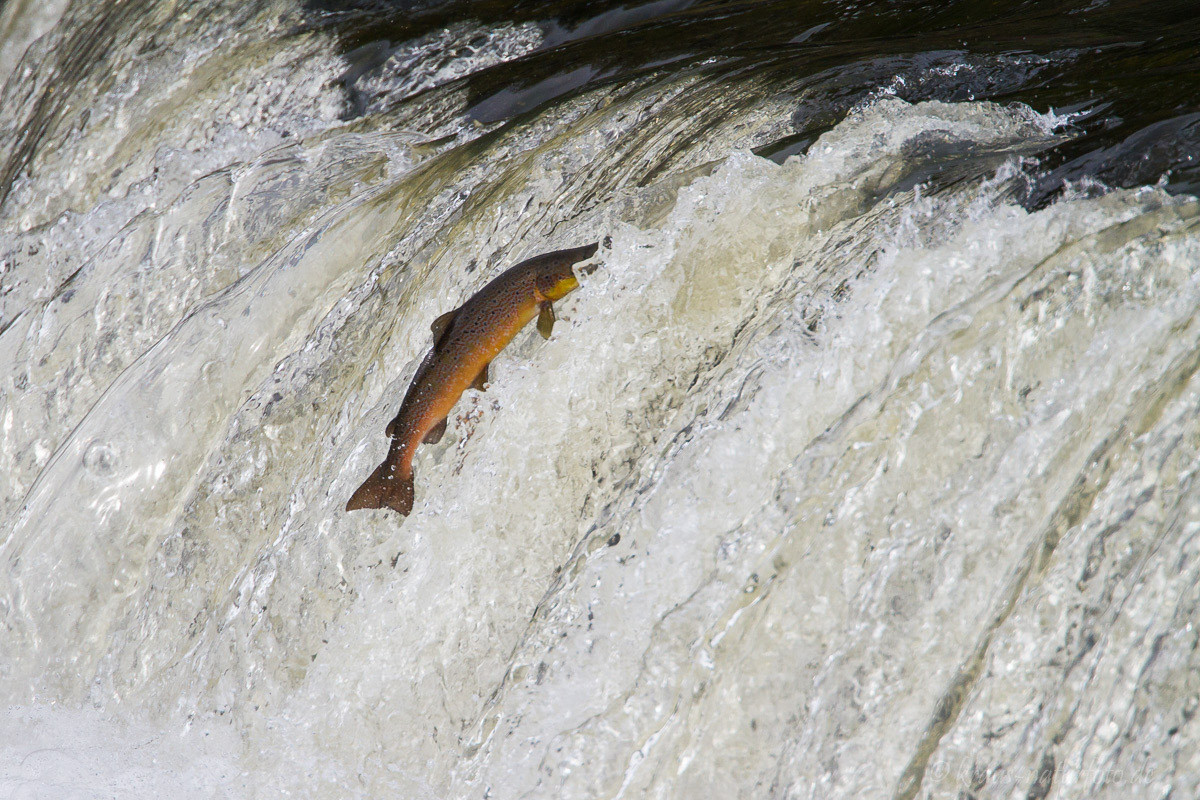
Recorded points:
(1127, 72)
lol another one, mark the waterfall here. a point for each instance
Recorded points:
(863, 465)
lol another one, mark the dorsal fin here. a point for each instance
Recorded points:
(441, 325)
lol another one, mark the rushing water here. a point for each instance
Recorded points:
(864, 465)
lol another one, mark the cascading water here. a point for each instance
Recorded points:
(864, 465)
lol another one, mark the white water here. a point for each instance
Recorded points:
(903, 481)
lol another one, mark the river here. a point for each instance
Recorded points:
(863, 465)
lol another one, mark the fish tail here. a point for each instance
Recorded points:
(389, 486)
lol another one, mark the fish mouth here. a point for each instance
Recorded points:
(588, 269)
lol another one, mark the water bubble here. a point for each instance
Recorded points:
(100, 458)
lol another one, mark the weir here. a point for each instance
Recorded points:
(862, 465)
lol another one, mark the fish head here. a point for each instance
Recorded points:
(557, 278)
(553, 284)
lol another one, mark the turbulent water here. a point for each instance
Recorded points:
(863, 465)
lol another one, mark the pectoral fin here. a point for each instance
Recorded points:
(545, 322)
(480, 379)
(441, 325)
(435, 435)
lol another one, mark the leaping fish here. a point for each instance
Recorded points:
(465, 341)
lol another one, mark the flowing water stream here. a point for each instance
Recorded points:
(863, 466)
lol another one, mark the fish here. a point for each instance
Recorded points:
(465, 341)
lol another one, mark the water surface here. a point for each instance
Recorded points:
(862, 466)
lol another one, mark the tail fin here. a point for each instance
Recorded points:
(386, 488)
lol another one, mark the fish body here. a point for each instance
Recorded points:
(465, 341)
